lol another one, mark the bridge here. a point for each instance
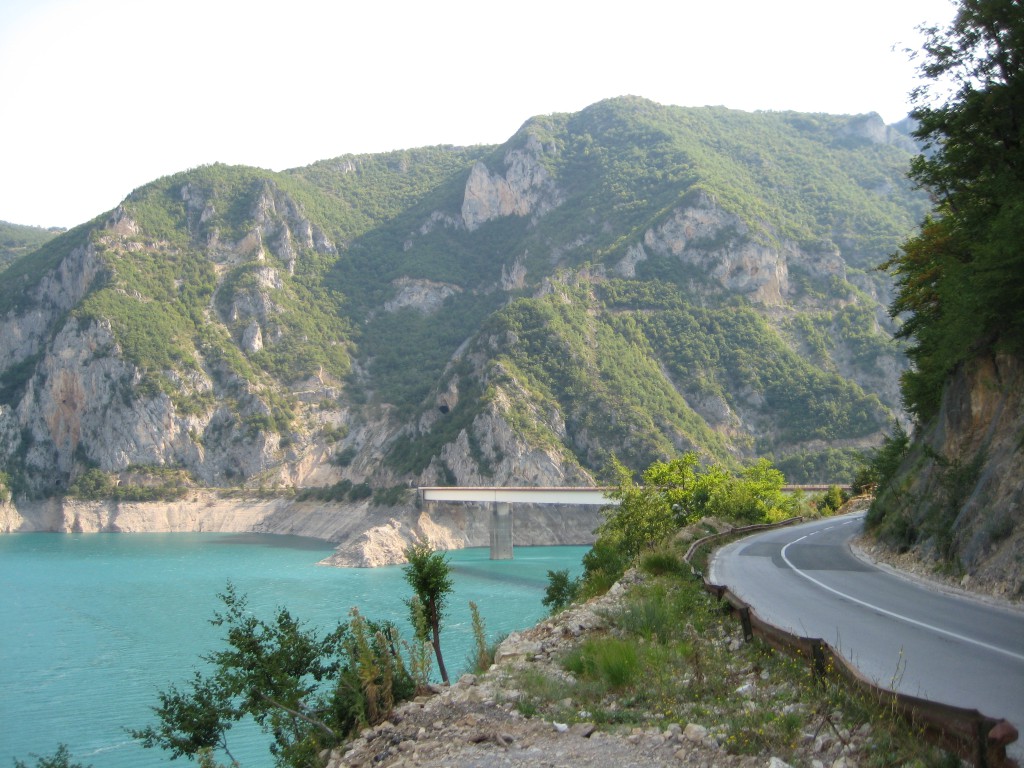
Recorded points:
(502, 500)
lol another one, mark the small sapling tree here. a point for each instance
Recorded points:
(429, 574)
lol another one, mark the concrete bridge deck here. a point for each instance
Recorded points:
(523, 495)
(502, 500)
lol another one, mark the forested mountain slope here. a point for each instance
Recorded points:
(16, 240)
(629, 280)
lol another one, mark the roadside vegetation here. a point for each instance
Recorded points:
(671, 495)
(672, 656)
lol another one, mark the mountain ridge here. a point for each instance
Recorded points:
(629, 280)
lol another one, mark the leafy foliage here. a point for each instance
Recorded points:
(310, 691)
(840, 465)
(722, 353)
(881, 465)
(429, 574)
(149, 484)
(959, 279)
(60, 759)
(560, 591)
(673, 494)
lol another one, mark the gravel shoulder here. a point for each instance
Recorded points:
(909, 566)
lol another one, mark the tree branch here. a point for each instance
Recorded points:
(295, 713)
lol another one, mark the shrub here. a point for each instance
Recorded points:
(603, 565)
(309, 690)
(650, 616)
(832, 500)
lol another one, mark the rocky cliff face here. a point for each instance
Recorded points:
(87, 402)
(24, 329)
(526, 188)
(86, 398)
(703, 235)
(960, 493)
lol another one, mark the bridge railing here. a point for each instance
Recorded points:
(967, 733)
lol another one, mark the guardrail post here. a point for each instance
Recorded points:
(818, 660)
(981, 729)
(748, 630)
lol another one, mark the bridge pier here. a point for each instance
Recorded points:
(501, 531)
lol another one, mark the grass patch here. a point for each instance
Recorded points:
(662, 562)
(609, 660)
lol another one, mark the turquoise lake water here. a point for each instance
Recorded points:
(93, 625)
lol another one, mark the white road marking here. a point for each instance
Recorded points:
(900, 617)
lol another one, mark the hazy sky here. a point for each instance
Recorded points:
(102, 96)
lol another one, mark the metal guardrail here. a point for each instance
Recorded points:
(967, 733)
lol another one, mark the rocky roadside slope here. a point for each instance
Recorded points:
(476, 722)
(912, 565)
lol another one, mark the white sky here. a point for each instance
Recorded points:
(102, 96)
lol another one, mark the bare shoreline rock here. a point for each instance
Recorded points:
(365, 536)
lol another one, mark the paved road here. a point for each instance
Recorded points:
(899, 633)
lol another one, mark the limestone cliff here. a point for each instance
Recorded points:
(88, 401)
(524, 189)
(960, 492)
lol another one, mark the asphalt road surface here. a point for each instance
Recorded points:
(899, 633)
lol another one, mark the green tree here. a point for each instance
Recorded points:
(91, 485)
(879, 467)
(832, 500)
(960, 279)
(672, 494)
(649, 511)
(755, 496)
(561, 590)
(310, 691)
(429, 574)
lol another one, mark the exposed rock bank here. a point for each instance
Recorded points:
(365, 535)
(958, 496)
